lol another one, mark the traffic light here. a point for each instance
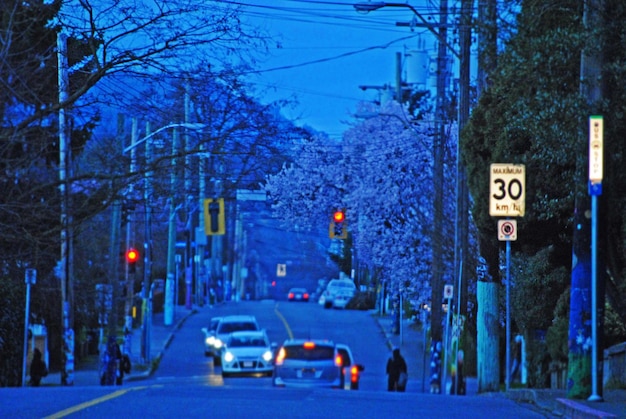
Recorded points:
(338, 228)
(131, 260)
(214, 217)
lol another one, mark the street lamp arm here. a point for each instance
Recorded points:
(371, 6)
(192, 126)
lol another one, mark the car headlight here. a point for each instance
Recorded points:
(229, 357)
(210, 340)
(217, 343)
(267, 356)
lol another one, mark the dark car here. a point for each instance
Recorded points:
(307, 363)
(298, 294)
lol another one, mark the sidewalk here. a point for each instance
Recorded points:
(87, 371)
(553, 402)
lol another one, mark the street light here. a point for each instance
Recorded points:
(366, 7)
(192, 126)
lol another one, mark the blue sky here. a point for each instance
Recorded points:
(328, 51)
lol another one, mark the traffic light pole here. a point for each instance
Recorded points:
(130, 276)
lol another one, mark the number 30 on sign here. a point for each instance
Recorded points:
(506, 190)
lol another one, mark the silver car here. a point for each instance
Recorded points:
(308, 363)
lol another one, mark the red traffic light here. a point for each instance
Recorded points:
(339, 216)
(132, 255)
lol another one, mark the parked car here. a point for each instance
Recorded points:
(298, 294)
(351, 371)
(228, 325)
(334, 287)
(247, 353)
(307, 363)
(210, 344)
(341, 298)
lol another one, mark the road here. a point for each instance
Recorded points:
(184, 359)
(186, 384)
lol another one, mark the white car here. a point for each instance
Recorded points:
(248, 353)
(216, 339)
(341, 298)
(211, 347)
(335, 286)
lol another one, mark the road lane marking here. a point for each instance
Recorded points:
(85, 405)
(282, 318)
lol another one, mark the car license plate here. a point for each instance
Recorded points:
(248, 364)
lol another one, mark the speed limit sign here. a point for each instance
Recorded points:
(506, 190)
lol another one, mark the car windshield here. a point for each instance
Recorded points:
(317, 353)
(236, 327)
(247, 341)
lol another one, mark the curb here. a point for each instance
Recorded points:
(572, 409)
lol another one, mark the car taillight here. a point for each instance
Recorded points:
(338, 360)
(280, 357)
(306, 295)
(354, 374)
(290, 295)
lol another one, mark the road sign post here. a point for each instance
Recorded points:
(507, 183)
(596, 149)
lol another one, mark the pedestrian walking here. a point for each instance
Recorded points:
(123, 365)
(397, 373)
(38, 369)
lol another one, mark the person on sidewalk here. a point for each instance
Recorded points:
(38, 369)
(123, 366)
(396, 372)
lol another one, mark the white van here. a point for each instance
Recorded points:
(344, 287)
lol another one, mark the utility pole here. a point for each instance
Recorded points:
(168, 312)
(130, 276)
(488, 338)
(189, 229)
(147, 250)
(580, 358)
(201, 237)
(461, 241)
(67, 357)
(437, 284)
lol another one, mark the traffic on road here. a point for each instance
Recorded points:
(349, 376)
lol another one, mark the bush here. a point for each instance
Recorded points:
(362, 301)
